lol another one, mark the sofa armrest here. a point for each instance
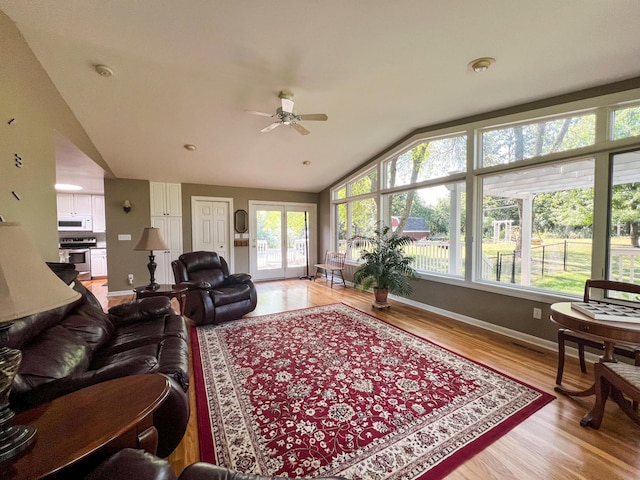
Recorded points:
(142, 309)
(57, 388)
(201, 285)
(237, 278)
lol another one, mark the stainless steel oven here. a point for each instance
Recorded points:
(81, 258)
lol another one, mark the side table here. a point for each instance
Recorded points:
(164, 290)
(98, 420)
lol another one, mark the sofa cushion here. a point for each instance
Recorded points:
(172, 354)
(152, 331)
(55, 354)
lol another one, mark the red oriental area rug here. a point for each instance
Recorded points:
(331, 390)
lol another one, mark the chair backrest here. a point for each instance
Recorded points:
(335, 259)
(608, 286)
(200, 267)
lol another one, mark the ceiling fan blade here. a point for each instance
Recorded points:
(268, 128)
(313, 116)
(287, 105)
(262, 114)
(300, 129)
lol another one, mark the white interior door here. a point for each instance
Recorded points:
(211, 226)
(282, 241)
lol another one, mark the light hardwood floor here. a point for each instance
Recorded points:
(550, 444)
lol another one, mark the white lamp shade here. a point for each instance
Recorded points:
(151, 240)
(27, 284)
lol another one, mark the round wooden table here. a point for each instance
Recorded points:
(609, 332)
(97, 420)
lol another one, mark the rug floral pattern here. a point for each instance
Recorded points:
(333, 391)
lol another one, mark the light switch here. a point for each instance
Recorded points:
(124, 236)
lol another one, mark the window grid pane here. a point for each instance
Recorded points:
(521, 142)
(432, 159)
(626, 122)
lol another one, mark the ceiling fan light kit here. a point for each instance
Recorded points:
(286, 116)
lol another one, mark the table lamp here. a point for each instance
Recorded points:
(151, 240)
(27, 286)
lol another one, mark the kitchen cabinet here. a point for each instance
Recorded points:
(166, 199)
(98, 214)
(171, 232)
(98, 262)
(73, 204)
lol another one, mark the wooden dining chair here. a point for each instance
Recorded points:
(582, 341)
(620, 381)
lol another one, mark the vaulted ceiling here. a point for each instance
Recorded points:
(186, 72)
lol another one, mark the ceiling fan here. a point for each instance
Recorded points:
(286, 116)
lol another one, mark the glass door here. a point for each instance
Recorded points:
(280, 240)
(266, 244)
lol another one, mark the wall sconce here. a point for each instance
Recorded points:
(126, 206)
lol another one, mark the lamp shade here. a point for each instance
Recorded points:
(27, 284)
(151, 240)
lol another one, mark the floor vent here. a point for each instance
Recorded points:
(531, 349)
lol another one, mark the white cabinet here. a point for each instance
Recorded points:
(166, 199)
(98, 262)
(166, 215)
(97, 212)
(73, 204)
(171, 232)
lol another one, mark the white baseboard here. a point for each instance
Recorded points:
(120, 292)
(524, 337)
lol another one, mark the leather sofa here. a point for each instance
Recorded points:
(141, 465)
(214, 295)
(78, 345)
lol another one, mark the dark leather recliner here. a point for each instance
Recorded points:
(214, 295)
(141, 465)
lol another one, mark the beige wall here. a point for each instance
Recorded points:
(121, 257)
(241, 197)
(28, 96)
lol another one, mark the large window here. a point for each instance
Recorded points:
(624, 218)
(531, 180)
(537, 226)
(435, 217)
(356, 210)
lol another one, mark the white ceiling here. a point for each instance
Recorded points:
(186, 71)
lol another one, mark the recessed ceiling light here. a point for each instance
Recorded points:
(481, 64)
(190, 147)
(306, 163)
(66, 187)
(104, 71)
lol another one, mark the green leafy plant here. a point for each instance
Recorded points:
(384, 264)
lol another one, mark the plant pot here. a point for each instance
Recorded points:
(381, 294)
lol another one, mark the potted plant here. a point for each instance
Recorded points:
(384, 267)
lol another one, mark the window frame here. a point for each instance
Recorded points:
(603, 106)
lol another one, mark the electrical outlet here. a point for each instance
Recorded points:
(537, 313)
(131, 279)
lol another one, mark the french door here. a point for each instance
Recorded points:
(282, 239)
